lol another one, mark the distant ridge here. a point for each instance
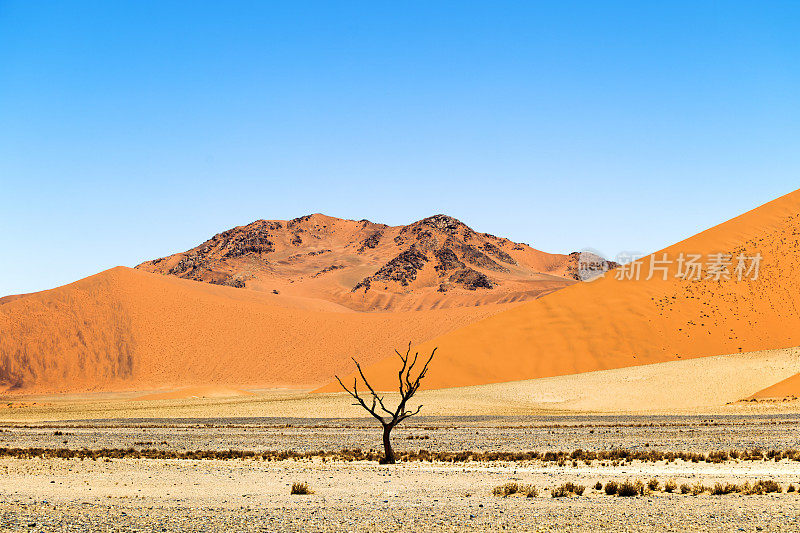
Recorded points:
(435, 262)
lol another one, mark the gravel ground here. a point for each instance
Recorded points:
(156, 495)
(696, 433)
(43, 494)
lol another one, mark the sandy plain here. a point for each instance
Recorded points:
(129, 494)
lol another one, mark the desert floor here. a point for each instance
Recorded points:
(134, 494)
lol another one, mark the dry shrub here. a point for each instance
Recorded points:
(567, 489)
(301, 488)
(764, 486)
(506, 490)
(753, 455)
(598, 486)
(727, 488)
(653, 484)
(630, 488)
(611, 488)
(530, 491)
(698, 489)
(670, 486)
(608, 457)
(685, 489)
(717, 457)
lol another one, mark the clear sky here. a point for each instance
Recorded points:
(131, 130)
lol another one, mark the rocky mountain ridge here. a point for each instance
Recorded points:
(435, 262)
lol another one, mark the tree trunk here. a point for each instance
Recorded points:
(388, 453)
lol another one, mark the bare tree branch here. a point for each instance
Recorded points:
(361, 402)
(408, 386)
(371, 390)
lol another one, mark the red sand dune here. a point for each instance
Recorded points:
(788, 388)
(612, 323)
(200, 391)
(125, 329)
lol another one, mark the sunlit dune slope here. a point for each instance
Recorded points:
(188, 393)
(124, 329)
(787, 388)
(612, 323)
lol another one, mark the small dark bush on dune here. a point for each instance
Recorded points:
(611, 488)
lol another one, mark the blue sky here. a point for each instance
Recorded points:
(131, 130)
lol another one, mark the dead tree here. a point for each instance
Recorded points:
(409, 384)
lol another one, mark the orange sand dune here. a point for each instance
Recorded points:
(612, 323)
(789, 387)
(201, 391)
(125, 329)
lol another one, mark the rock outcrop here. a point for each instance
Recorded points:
(435, 262)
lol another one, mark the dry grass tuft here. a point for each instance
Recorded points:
(508, 489)
(567, 489)
(631, 488)
(301, 488)
(698, 489)
(613, 457)
(763, 486)
(727, 488)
